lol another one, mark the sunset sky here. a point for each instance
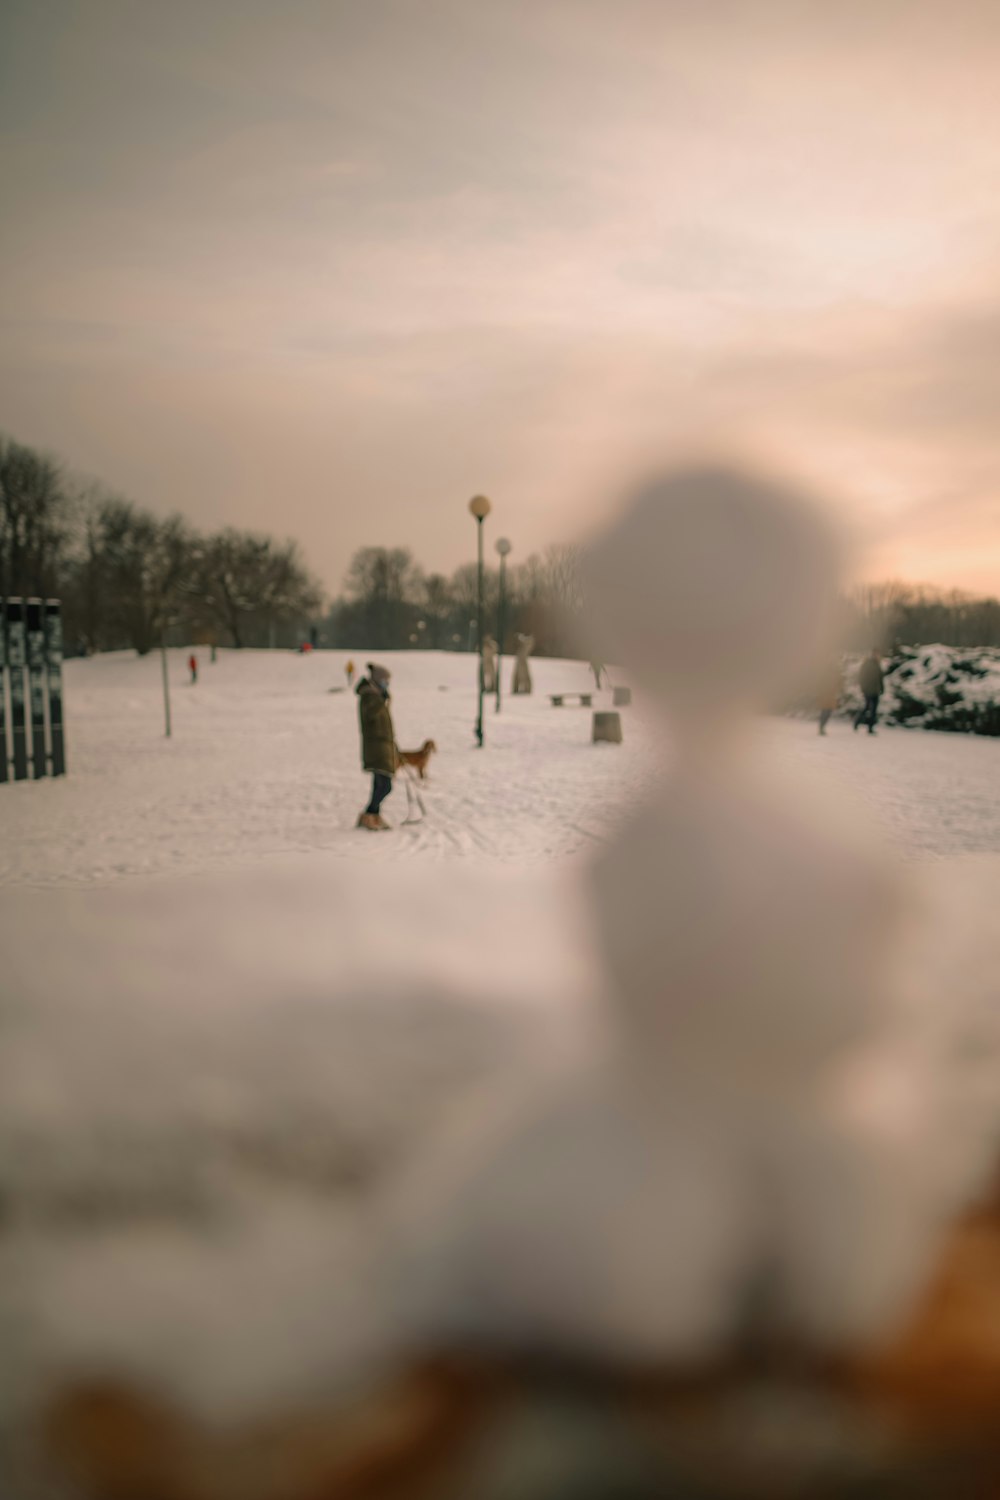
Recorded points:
(328, 267)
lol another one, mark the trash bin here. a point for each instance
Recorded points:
(607, 729)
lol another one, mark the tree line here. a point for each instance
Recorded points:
(390, 603)
(894, 614)
(128, 578)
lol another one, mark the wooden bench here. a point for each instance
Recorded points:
(558, 699)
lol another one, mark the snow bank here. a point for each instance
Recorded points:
(207, 1090)
(202, 1084)
(938, 687)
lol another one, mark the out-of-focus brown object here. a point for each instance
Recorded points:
(118, 1444)
(941, 1378)
(918, 1417)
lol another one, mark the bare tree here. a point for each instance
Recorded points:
(238, 575)
(438, 604)
(381, 573)
(35, 520)
(890, 613)
(526, 581)
(139, 565)
(562, 576)
(89, 598)
(465, 591)
(383, 587)
(547, 595)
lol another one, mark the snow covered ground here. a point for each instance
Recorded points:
(264, 761)
(255, 1045)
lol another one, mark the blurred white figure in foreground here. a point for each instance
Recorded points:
(749, 937)
(758, 1148)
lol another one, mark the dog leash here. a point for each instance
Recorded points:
(412, 794)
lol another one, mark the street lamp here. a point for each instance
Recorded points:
(479, 508)
(503, 547)
(166, 678)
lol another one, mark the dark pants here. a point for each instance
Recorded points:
(824, 719)
(869, 714)
(381, 787)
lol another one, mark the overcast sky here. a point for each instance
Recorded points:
(329, 267)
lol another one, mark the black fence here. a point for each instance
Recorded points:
(32, 742)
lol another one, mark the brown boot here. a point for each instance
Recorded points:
(368, 820)
(382, 824)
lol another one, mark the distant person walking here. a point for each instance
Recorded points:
(349, 670)
(871, 683)
(597, 667)
(379, 754)
(829, 698)
(193, 667)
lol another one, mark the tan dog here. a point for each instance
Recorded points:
(418, 758)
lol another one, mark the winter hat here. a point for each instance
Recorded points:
(377, 673)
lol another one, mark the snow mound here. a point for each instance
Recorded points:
(203, 1083)
(954, 688)
(241, 1120)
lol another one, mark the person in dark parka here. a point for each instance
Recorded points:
(871, 683)
(379, 754)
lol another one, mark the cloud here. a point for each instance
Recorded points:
(339, 265)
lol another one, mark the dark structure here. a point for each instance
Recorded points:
(32, 742)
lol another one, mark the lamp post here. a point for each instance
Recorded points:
(503, 547)
(479, 508)
(166, 679)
